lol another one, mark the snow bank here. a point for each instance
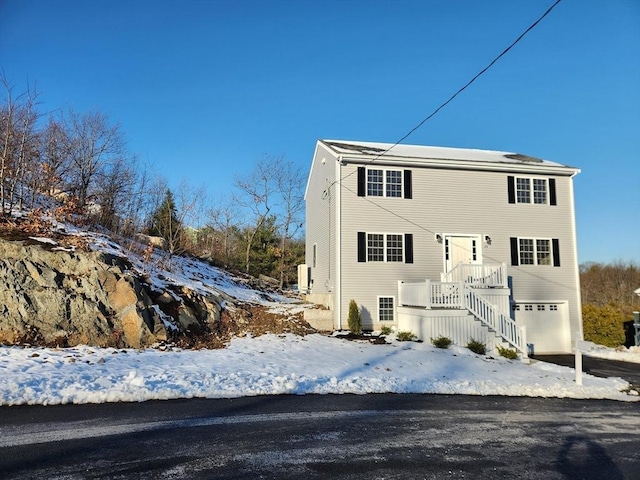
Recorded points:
(285, 364)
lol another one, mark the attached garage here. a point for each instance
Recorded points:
(547, 325)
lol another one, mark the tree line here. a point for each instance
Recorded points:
(608, 301)
(81, 159)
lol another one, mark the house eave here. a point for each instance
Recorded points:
(389, 161)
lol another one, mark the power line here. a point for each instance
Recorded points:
(461, 89)
(431, 115)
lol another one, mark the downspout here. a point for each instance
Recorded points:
(337, 306)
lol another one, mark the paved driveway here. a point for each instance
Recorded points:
(317, 437)
(598, 366)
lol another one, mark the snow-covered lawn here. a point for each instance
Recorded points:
(285, 364)
(272, 364)
(622, 354)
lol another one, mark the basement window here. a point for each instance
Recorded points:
(385, 309)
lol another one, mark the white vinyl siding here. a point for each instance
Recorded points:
(447, 201)
(320, 228)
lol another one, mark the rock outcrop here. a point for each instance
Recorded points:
(60, 297)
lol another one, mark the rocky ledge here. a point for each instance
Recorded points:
(56, 296)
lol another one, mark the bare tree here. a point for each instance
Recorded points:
(93, 142)
(115, 185)
(54, 155)
(223, 219)
(256, 191)
(171, 218)
(18, 150)
(289, 185)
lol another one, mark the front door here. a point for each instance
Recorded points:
(462, 249)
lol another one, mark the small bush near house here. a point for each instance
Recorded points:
(385, 330)
(354, 320)
(405, 336)
(441, 342)
(477, 347)
(509, 353)
(603, 325)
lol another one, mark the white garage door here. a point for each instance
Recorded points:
(547, 326)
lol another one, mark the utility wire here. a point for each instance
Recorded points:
(432, 114)
(460, 90)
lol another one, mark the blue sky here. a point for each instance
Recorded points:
(204, 89)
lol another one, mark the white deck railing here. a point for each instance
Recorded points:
(489, 315)
(459, 295)
(482, 276)
(430, 294)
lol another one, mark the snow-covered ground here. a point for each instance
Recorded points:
(286, 364)
(274, 364)
(621, 354)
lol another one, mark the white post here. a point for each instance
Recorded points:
(427, 283)
(578, 366)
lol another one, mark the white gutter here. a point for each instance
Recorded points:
(464, 165)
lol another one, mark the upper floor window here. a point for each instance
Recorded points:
(540, 191)
(531, 190)
(375, 183)
(379, 182)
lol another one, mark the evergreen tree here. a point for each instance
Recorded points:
(164, 221)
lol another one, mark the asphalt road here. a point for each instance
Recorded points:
(598, 366)
(333, 436)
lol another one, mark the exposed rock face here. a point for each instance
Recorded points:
(69, 298)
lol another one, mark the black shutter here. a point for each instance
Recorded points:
(552, 191)
(362, 247)
(511, 189)
(408, 248)
(514, 251)
(556, 252)
(407, 184)
(362, 181)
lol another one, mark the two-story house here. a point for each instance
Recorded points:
(444, 241)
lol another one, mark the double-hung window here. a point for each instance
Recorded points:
(523, 190)
(531, 190)
(393, 183)
(375, 247)
(375, 183)
(383, 182)
(385, 309)
(385, 247)
(537, 191)
(535, 251)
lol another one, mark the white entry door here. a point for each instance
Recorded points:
(462, 249)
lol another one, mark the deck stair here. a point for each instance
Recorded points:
(463, 291)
